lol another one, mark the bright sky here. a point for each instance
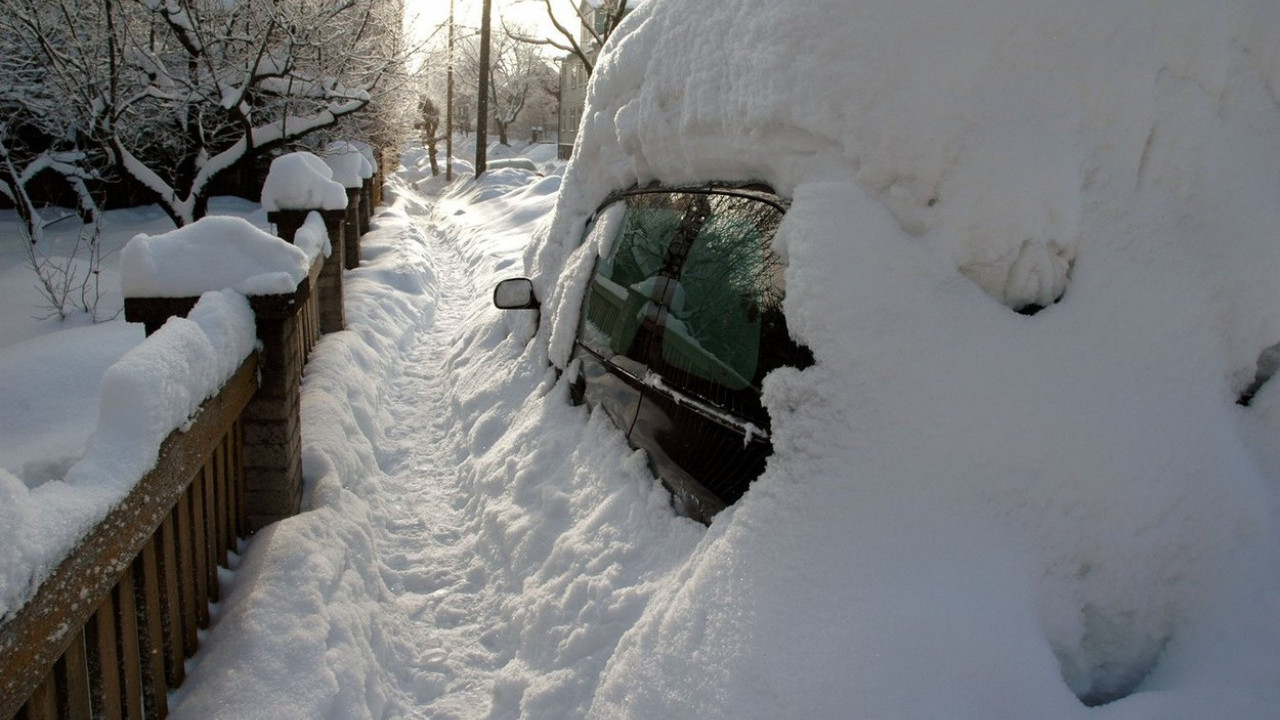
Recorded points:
(423, 16)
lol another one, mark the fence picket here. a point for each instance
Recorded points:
(130, 668)
(209, 529)
(220, 487)
(71, 674)
(104, 662)
(43, 703)
(150, 613)
(170, 602)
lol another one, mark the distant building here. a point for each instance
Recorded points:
(573, 73)
(573, 99)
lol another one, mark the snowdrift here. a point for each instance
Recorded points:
(972, 511)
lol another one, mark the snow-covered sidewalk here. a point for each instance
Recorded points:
(404, 589)
(370, 603)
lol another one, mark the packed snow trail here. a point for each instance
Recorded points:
(427, 551)
(440, 567)
(372, 603)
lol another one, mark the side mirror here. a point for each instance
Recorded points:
(515, 294)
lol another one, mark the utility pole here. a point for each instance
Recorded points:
(482, 101)
(448, 115)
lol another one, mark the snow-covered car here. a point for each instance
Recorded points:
(969, 510)
(681, 321)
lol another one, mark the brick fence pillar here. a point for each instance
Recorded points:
(272, 419)
(329, 292)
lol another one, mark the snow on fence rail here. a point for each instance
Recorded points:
(106, 631)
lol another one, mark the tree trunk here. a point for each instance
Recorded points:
(482, 97)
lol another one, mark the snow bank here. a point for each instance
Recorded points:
(154, 388)
(301, 181)
(216, 253)
(493, 218)
(972, 512)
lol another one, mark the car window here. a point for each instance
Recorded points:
(690, 288)
(623, 279)
(730, 280)
(682, 320)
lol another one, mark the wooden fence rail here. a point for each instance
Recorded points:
(107, 633)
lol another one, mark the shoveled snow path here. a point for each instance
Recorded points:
(441, 569)
(427, 554)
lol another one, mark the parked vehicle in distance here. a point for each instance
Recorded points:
(681, 321)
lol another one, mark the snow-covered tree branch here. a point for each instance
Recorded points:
(584, 33)
(179, 93)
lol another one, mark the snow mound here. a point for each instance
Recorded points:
(350, 166)
(211, 254)
(302, 181)
(313, 237)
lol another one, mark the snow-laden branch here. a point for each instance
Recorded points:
(179, 19)
(176, 92)
(264, 137)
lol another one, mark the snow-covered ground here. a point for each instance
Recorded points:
(970, 512)
(50, 369)
(437, 575)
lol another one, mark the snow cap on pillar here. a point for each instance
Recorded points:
(302, 181)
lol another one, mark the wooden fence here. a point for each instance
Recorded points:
(107, 633)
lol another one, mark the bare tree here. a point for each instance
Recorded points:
(518, 79)
(583, 34)
(428, 126)
(515, 78)
(179, 92)
(392, 112)
(67, 281)
(42, 156)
